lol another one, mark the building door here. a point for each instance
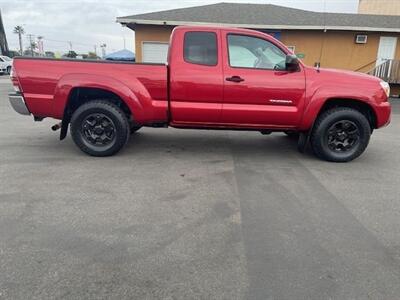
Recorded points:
(154, 52)
(387, 49)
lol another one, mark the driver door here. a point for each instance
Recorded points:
(258, 91)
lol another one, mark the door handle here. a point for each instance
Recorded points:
(234, 79)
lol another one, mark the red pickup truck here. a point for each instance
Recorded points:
(215, 78)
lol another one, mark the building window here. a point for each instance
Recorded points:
(361, 39)
(251, 52)
(200, 48)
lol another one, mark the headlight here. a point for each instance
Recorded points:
(386, 87)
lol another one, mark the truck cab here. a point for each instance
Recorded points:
(240, 79)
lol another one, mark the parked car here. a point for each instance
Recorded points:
(216, 78)
(5, 64)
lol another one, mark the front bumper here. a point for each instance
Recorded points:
(18, 103)
(383, 113)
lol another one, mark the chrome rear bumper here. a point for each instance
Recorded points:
(18, 103)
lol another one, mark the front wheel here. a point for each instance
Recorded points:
(8, 70)
(340, 134)
(99, 128)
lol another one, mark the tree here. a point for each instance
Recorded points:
(71, 54)
(50, 54)
(92, 55)
(12, 53)
(20, 31)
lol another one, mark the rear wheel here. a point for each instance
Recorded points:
(340, 134)
(99, 128)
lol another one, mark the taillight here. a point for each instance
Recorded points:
(14, 80)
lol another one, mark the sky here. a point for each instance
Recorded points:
(86, 23)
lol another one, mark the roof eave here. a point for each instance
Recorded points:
(125, 21)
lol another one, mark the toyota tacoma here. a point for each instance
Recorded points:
(215, 78)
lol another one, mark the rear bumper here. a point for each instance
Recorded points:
(383, 114)
(18, 103)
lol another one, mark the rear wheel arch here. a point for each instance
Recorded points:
(81, 95)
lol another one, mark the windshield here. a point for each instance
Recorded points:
(6, 58)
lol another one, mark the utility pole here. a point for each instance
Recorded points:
(95, 49)
(31, 42)
(3, 38)
(40, 45)
(103, 50)
(70, 45)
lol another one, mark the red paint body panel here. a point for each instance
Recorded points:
(199, 96)
(47, 83)
(249, 102)
(327, 84)
(196, 90)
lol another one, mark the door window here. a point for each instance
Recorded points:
(201, 48)
(251, 52)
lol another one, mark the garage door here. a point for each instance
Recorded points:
(153, 52)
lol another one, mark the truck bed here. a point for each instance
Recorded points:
(47, 83)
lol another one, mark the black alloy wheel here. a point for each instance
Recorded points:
(98, 130)
(340, 134)
(343, 136)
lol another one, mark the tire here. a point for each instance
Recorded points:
(8, 70)
(99, 128)
(340, 134)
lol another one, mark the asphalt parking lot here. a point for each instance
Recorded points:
(195, 215)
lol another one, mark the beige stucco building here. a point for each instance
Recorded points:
(379, 7)
(357, 42)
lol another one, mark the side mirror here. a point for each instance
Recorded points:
(292, 63)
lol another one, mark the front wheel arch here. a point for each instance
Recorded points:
(358, 105)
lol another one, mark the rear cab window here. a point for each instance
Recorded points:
(200, 48)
